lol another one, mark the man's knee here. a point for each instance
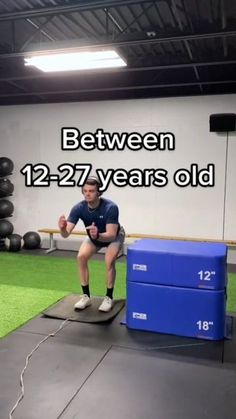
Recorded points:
(83, 257)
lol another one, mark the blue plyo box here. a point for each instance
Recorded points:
(176, 310)
(178, 263)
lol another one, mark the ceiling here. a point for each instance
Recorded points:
(172, 48)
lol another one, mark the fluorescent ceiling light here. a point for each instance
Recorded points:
(75, 61)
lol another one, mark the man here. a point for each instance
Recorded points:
(101, 220)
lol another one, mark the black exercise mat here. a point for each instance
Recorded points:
(64, 309)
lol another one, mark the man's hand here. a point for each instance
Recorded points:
(93, 230)
(62, 223)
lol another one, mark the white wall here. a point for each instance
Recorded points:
(31, 134)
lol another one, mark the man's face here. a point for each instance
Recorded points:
(90, 193)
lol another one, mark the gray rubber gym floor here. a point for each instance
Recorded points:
(104, 371)
(107, 371)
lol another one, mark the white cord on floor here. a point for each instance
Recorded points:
(26, 364)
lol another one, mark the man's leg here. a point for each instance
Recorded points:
(87, 249)
(110, 259)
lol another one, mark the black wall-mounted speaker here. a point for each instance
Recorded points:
(222, 122)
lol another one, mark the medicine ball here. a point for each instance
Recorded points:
(6, 208)
(32, 240)
(6, 166)
(6, 187)
(13, 242)
(6, 228)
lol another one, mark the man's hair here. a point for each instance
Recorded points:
(93, 180)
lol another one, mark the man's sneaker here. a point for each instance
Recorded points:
(84, 302)
(106, 305)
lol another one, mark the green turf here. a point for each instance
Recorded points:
(54, 273)
(231, 293)
(18, 305)
(29, 284)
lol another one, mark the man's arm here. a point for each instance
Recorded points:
(108, 236)
(110, 233)
(65, 226)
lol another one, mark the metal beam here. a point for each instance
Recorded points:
(113, 20)
(137, 41)
(135, 19)
(175, 12)
(38, 29)
(120, 71)
(82, 6)
(223, 22)
(119, 88)
(12, 83)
